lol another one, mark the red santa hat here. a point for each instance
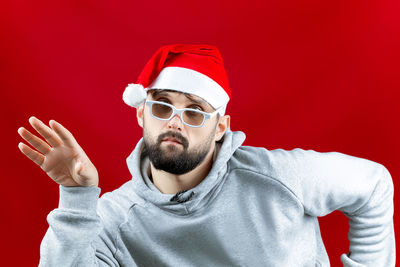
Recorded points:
(193, 69)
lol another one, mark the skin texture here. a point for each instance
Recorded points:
(202, 138)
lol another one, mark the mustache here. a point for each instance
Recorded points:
(175, 135)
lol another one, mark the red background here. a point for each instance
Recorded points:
(320, 75)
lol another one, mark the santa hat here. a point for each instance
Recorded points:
(193, 69)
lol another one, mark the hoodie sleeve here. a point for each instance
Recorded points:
(360, 188)
(76, 235)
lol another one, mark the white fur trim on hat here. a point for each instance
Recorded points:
(134, 95)
(192, 82)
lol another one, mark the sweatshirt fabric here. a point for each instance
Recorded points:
(256, 207)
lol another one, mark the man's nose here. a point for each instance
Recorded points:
(175, 123)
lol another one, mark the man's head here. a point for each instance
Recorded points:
(173, 146)
(181, 77)
(194, 69)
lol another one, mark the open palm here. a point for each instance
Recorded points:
(61, 157)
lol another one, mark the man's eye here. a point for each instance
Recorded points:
(163, 100)
(196, 107)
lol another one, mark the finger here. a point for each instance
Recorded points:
(35, 141)
(31, 154)
(65, 135)
(48, 134)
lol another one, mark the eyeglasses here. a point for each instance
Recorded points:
(190, 117)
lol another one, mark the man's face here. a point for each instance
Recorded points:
(171, 145)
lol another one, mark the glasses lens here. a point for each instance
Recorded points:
(192, 117)
(161, 111)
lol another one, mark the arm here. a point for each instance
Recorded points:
(371, 231)
(361, 189)
(77, 235)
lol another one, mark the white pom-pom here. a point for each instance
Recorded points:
(134, 95)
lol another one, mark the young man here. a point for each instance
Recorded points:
(197, 196)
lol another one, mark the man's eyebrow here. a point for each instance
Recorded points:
(165, 92)
(156, 93)
(197, 101)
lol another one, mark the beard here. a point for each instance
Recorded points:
(174, 158)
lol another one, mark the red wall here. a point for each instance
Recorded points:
(320, 75)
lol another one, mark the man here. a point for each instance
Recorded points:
(199, 198)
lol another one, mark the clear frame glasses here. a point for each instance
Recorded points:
(190, 117)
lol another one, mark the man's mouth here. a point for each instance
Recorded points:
(171, 140)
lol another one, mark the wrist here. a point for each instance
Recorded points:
(82, 198)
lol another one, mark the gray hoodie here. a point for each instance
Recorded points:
(256, 207)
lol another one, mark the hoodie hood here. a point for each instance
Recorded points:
(193, 199)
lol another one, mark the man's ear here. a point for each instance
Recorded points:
(223, 124)
(139, 114)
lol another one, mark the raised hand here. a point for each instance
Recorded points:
(61, 157)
